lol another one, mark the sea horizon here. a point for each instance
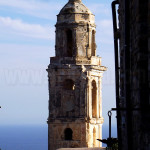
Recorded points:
(32, 137)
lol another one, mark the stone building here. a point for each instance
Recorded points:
(133, 102)
(75, 81)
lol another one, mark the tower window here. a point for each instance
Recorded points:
(69, 84)
(94, 99)
(69, 43)
(93, 43)
(68, 134)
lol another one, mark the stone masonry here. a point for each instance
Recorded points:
(75, 81)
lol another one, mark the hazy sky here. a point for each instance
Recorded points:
(27, 39)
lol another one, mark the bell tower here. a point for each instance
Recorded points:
(75, 77)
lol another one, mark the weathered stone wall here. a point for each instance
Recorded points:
(56, 134)
(136, 117)
(72, 108)
(84, 134)
(72, 102)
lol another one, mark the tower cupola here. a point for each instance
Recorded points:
(79, 1)
(75, 33)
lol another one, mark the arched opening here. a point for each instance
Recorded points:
(69, 43)
(68, 134)
(94, 99)
(69, 84)
(93, 43)
(94, 137)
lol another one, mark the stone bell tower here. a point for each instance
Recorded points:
(75, 77)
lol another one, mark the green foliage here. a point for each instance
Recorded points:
(114, 147)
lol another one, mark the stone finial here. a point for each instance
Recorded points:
(75, 0)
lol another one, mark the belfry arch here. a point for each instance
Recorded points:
(93, 43)
(94, 99)
(69, 43)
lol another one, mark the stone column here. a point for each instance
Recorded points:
(100, 97)
(89, 97)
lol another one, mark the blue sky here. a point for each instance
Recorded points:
(27, 39)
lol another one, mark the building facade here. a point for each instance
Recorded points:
(75, 81)
(134, 74)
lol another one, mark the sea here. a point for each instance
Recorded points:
(33, 137)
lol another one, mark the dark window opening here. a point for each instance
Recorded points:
(68, 134)
(69, 43)
(94, 99)
(93, 43)
(69, 84)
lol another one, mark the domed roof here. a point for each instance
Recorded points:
(75, 6)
